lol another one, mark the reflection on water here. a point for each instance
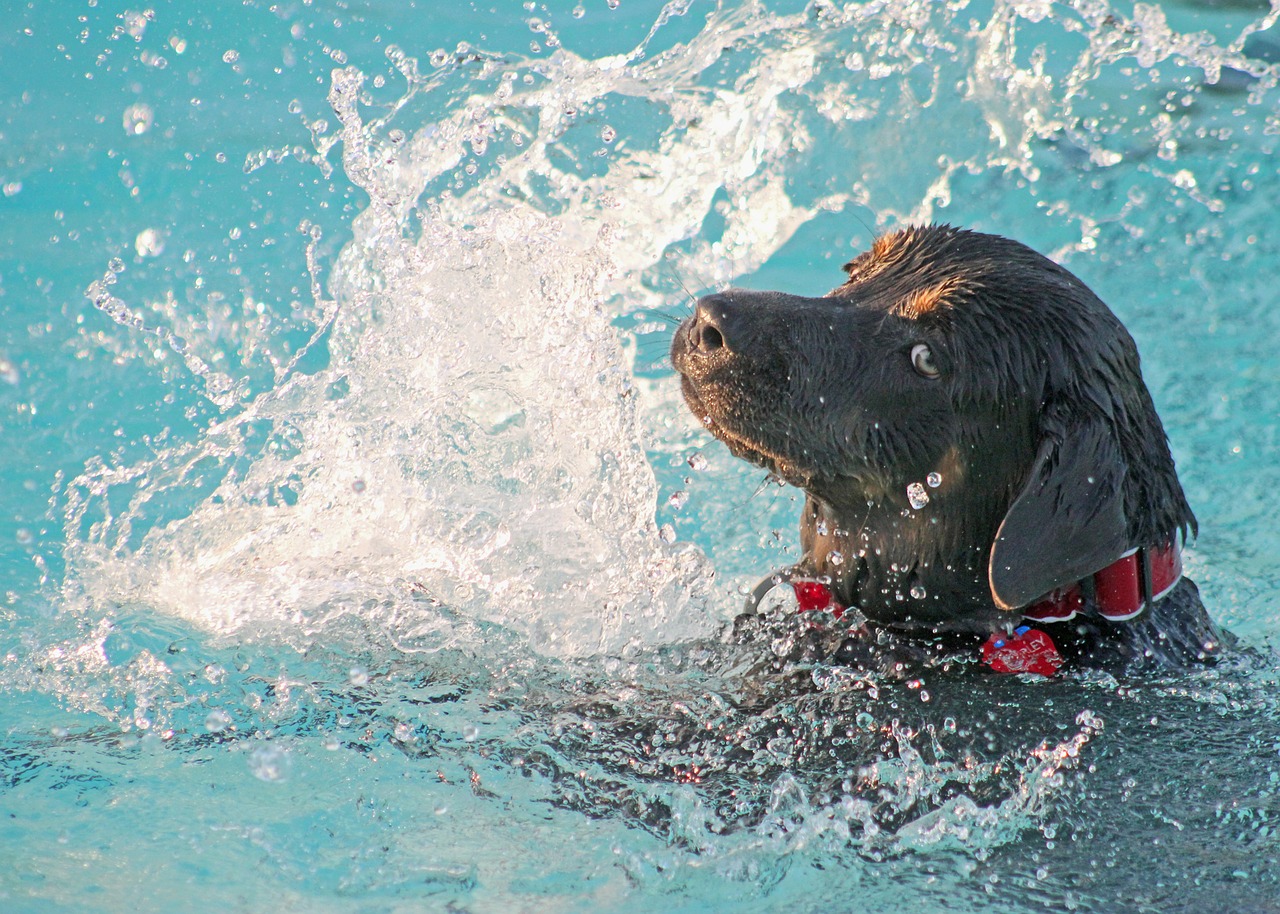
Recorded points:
(389, 568)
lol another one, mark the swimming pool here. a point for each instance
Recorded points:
(360, 556)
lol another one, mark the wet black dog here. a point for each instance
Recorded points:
(978, 448)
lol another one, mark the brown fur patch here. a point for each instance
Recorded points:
(928, 299)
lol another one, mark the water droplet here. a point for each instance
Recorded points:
(359, 676)
(358, 486)
(138, 119)
(917, 496)
(579, 11)
(217, 721)
(470, 732)
(149, 243)
(678, 500)
(822, 528)
(667, 533)
(918, 592)
(608, 134)
(24, 536)
(865, 720)
(116, 265)
(231, 56)
(835, 557)
(949, 725)
(697, 461)
(934, 480)
(270, 763)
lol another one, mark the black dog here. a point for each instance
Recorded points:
(978, 448)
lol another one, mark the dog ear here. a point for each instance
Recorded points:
(1067, 522)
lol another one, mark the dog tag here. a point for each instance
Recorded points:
(1026, 650)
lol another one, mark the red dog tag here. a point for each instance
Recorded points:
(1027, 650)
(815, 596)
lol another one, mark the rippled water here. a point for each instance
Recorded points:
(361, 555)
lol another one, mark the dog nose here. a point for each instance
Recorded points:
(713, 319)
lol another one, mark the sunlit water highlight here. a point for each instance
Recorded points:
(384, 568)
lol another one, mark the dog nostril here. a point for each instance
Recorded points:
(710, 338)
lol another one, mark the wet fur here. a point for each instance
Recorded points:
(1053, 461)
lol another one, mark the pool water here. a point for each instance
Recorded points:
(359, 554)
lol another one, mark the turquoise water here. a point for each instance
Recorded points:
(359, 555)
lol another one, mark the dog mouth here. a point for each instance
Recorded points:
(742, 444)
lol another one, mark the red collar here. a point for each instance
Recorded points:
(1119, 592)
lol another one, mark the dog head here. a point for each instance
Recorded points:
(967, 417)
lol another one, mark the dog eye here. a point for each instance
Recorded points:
(922, 361)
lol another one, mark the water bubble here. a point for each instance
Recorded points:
(231, 56)
(217, 721)
(934, 480)
(865, 720)
(917, 496)
(115, 265)
(835, 557)
(135, 24)
(678, 500)
(667, 533)
(697, 461)
(8, 371)
(138, 119)
(359, 676)
(149, 243)
(358, 486)
(918, 592)
(470, 732)
(579, 11)
(270, 763)
(608, 134)
(12, 188)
